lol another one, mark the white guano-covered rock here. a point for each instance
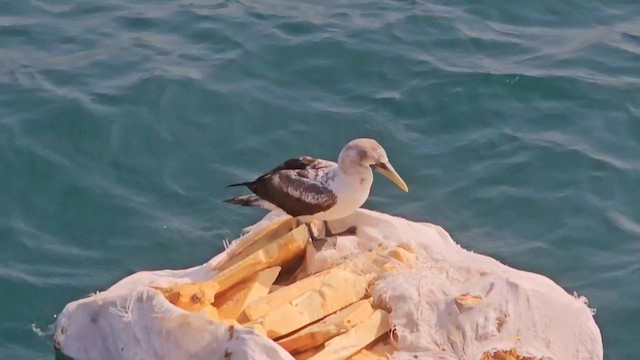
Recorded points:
(453, 304)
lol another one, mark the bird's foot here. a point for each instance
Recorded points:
(320, 242)
(324, 243)
(348, 232)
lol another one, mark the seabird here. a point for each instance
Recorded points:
(314, 189)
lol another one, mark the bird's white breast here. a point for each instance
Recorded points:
(352, 191)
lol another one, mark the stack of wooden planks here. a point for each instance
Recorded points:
(326, 315)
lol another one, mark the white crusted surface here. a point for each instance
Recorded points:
(519, 309)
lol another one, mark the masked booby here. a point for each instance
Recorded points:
(314, 189)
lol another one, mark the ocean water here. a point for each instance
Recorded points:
(515, 125)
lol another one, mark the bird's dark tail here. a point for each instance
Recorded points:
(241, 184)
(249, 200)
(244, 200)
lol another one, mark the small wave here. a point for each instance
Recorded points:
(46, 332)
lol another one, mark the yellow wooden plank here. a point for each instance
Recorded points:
(467, 301)
(232, 303)
(511, 354)
(305, 355)
(365, 354)
(345, 345)
(380, 349)
(334, 293)
(255, 241)
(190, 296)
(283, 295)
(276, 253)
(333, 325)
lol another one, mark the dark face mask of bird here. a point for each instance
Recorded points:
(388, 171)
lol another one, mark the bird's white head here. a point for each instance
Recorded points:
(364, 154)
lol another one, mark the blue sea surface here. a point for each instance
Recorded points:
(515, 124)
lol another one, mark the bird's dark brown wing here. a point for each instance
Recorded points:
(295, 186)
(301, 163)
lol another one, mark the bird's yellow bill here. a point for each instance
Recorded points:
(387, 170)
